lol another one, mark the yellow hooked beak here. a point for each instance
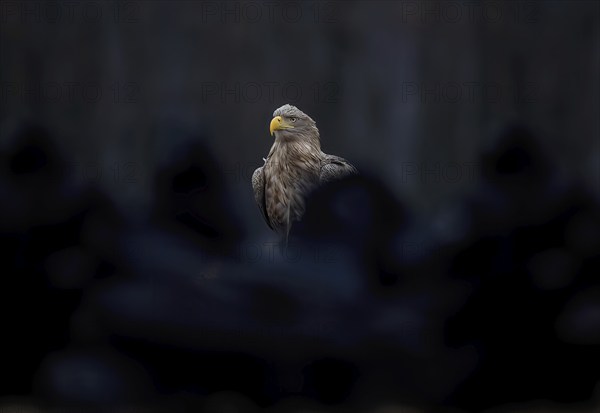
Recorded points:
(278, 124)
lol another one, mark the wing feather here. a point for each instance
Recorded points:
(258, 185)
(334, 168)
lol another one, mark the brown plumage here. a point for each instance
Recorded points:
(294, 167)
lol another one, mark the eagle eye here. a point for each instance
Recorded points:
(293, 119)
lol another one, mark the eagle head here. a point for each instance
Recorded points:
(289, 122)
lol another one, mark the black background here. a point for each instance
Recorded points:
(458, 272)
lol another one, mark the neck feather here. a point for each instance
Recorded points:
(306, 146)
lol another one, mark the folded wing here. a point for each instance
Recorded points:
(258, 185)
(333, 168)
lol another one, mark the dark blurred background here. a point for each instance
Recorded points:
(457, 273)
